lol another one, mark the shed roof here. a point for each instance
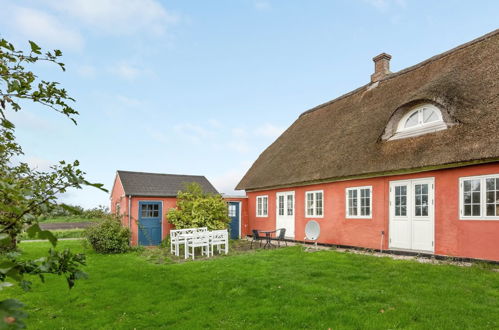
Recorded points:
(342, 138)
(160, 185)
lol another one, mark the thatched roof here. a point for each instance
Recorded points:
(345, 138)
(160, 185)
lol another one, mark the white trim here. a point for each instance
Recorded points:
(391, 193)
(256, 206)
(313, 205)
(279, 219)
(421, 128)
(483, 204)
(358, 216)
(240, 218)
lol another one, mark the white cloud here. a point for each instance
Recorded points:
(214, 123)
(86, 71)
(126, 70)
(192, 132)
(239, 146)
(118, 17)
(43, 28)
(239, 132)
(262, 5)
(227, 181)
(386, 4)
(268, 130)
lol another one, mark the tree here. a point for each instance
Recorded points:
(198, 209)
(25, 193)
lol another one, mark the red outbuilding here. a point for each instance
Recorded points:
(407, 162)
(143, 200)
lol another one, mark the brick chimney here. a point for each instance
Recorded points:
(381, 67)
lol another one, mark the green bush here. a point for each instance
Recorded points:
(108, 236)
(198, 209)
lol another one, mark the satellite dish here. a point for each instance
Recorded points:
(312, 231)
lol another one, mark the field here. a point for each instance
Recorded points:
(282, 288)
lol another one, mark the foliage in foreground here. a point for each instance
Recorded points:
(109, 236)
(25, 193)
(198, 209)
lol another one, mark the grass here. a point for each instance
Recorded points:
(283, 288)
(69, 219)
(59, 233)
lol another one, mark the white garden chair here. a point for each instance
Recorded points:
(198, 239)
(219, 238)
(179, 237)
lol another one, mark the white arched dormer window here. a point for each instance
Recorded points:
(423, 119)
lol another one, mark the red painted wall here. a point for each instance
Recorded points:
(453, 237)
(118, 198)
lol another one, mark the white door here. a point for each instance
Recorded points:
(285, 212)
(412, 215)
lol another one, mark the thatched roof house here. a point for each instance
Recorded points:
(349, 137)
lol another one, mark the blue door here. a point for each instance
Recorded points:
(234, 216)
(149, 223)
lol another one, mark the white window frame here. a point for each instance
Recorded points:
(260, 213)
(483, 198)
(358, 216)
(421, 128)
(314, 209)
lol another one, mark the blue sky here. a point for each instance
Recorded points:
(203, 87)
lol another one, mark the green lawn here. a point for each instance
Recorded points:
(283, 288)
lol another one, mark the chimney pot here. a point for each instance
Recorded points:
(381, 67)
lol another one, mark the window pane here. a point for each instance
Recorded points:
(412, 120)
(467, 185)
(418, 211)
(281, 205)
(467, 210)
(490, 184)
(290, 205)
(491, 210)
(467, 198)
(318, 203)
(476, 210)
(429, 116)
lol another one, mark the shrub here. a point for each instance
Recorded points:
(108, 236)
(198, 209)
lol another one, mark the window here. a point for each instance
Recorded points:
(479, 197)
(424, 119)
(262, 206)
(232, 210)
(150, 211)
(117, 209)
(359, 202)
(314, 203)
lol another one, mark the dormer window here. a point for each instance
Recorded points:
(423, 119)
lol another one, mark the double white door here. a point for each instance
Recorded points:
(285, 212)
(412, 215)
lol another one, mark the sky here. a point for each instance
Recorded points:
(203, 87)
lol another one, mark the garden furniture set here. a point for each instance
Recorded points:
(268, 237)
(192, 238)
